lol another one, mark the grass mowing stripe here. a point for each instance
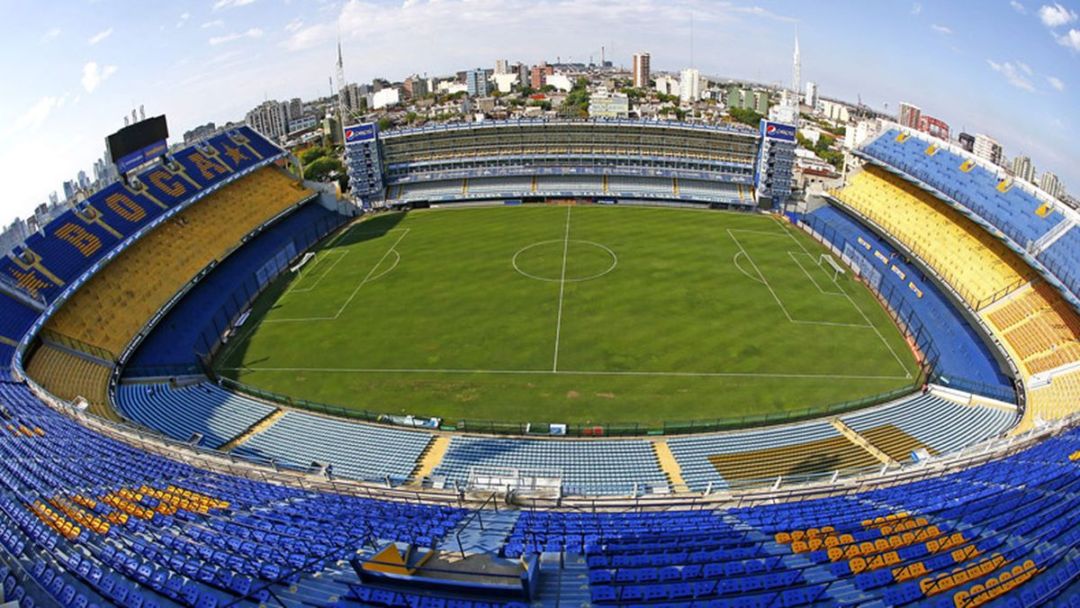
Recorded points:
(677, 332)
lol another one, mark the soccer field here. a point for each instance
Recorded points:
(576, 314)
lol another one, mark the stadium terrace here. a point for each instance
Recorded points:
(209, 396)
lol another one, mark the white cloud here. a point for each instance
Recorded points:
(1056, 15)
(35, 115)
(1071, 39)
(513, 23)
(941, 29)
(1020, 8)
(183, 19)
(98, 37)
(1023, 66)
(294, 25)
(50, 35)
(916, 9)
(93, 75)
(1056, 83)
(251, 33)
(214, 23)
(1013, 74)
(220, 4)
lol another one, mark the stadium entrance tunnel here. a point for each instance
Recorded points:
(569, 261)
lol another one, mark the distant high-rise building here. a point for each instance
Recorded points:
(502, 66)
(294, 109)
(522, 70)
(967, 141)
(761, 102)
(355, 96)
(987, 148)
(641, 70)
(476, 83)
(690, 85)
(811, 97)
(1023, 168)
(1051, 184)
(268, 118)
(934, 126)
(538, 75)
(909, 115)
(667, 85)
(199, 132)
(387, 96)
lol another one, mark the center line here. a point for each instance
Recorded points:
(562, 287)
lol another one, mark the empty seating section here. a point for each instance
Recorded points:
(68, 376)
(112, 307)
(216, 414)
(355, 451)
(629, 185)
(938, 424)
(1062, 258)
(178, 336)
(758, 457)
(586, 184)
(1056, 400)
(817, 449)
(1016, 212)
(509, 186)
(961, 352)
(1039, 327)
(15, 319)
(586, 467)
(54, 257)
(433, 190)
(980, 268)
(85, 520)
(992, 534)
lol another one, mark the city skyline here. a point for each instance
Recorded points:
(214, 60)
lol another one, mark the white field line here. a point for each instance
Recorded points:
(562, 289)
(854, 305)
(370, 273)
(794, 257)
(764, 281)
(541, 372)
(735, 261)
(370, 276)
(340, 254)
(776, 297)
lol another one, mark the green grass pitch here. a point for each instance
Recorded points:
(576, 314)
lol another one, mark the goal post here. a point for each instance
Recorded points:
(827, 260)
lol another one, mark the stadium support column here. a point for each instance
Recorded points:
(774, 165)
(364, 162)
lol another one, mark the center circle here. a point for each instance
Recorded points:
(583, 261)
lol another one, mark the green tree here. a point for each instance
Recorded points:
(311, 154)
(385, 123)
(323, 168)
(745, 116)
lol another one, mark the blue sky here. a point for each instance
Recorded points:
(72, 69)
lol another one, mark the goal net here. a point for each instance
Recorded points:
(826, 261)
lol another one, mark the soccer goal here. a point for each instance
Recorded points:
(826, 260)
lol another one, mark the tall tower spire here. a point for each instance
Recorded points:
(796, 74)
(342, 110)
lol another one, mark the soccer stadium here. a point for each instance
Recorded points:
(543, 362)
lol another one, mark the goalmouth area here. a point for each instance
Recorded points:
(587, 315)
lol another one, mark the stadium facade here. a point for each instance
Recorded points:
(533, 160)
